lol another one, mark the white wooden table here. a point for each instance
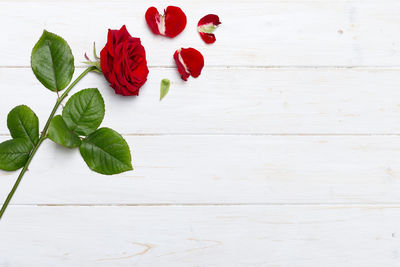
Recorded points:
(284, 152)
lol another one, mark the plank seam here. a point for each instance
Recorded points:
(395, 204)
(256, 134)
(283, 67)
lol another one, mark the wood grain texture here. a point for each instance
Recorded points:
(201, 236)
(284, 152)
(235, 101)
(253, 33)
(210, 169)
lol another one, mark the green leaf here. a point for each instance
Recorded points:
(105, 151)
(14, 154)
(23, 123)
(61, 134)
(52, 61)
(165, 83)
(84, 111)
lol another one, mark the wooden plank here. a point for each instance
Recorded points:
(221, 169)
(201, 236)
(256, 32)
(235, 101)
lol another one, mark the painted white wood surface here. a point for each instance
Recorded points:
(253, 33)
(304, 236)
(236, 101)
(284, 152)
(222, 169)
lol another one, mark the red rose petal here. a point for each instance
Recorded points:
(206, 26)
(208, 38)
(172, 23)
(181, 68)
(175, 21)
(189, 61)
(153, 19)
(211, 18)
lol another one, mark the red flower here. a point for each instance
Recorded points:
(206, 26)
(189, 62)
(123, 62)
(172, 23)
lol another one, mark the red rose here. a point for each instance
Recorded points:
(123, 62)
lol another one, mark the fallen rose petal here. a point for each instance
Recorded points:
(172, 23)
(153, 19)
(189, 61)
(206, 26)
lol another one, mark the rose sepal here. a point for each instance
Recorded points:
(95, 62)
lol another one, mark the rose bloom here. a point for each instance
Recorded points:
(123, 62)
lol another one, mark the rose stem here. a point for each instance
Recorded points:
(43, 136)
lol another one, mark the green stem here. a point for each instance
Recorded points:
(43, 136)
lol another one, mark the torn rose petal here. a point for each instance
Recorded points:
(189, 61)
(172, 23)
(206, 26)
